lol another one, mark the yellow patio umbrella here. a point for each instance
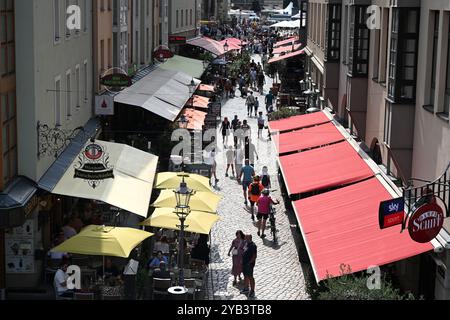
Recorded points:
(172, 180)
(200, 201)
(104, 241)
(196, 221)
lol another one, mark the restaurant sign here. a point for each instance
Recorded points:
(116, 80)
(93, 165)
(426, 222)
(162, 53)
(177, 40)
(391, 213)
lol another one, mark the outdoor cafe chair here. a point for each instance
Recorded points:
(84, 296)
(160, 286)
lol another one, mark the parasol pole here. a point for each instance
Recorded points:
(103, 270)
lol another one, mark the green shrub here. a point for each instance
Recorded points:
(283, 113)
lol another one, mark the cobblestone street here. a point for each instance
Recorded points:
(278, 272)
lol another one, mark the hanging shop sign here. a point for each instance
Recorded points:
(177, 40)
(162, 53)
(104, 105)
(19, 249)
(391, 213)
(426, 222)
(116, 81)
(93, 165)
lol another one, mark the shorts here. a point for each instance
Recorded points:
(246, 184)
(252, 203)
(247, 270)
(260, 126)
(262, 216)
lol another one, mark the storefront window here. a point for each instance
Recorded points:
(359, 41)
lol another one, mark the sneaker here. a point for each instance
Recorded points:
(245, 291)
(217, 181)
(253, 217)
(252, 294)
(263, 236)
(259, 234)
(234, 283)
(226, 175)
(246, 203)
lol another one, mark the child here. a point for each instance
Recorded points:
(265, 178)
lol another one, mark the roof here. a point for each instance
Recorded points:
(287, 56)
(163, 92)
(206, 87)
(286, 41)
(331, 166)
(198, 102)
(191, 67)
(208, 44)
(18, 192)
(196, 118)
(308, 138)
(341, 227)
(298, 122)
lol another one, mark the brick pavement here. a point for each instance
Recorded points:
(278, 272)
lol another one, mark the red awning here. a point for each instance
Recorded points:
(287, 49)
(331, 166)
(307, 138)
(286, 42)
(198, 102)
(233, 43)
(196, 118)
(298, 122)
(287, 56)
(208, 44)
(341, 227)
(205, 87)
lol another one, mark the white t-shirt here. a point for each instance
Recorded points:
(60, 277)
(230, 156)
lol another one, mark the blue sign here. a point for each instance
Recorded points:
(391, 213)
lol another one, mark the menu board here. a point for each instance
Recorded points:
(19, 249)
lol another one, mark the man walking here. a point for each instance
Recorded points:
(247, 173)
(256, 107)
(248, 265)
(269, 101)
(250, 104)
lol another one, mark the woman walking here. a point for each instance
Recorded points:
(237, 249)
(225, 128)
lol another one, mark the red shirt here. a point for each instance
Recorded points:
(264, 204)
(253, 197)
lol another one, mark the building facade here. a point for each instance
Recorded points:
(102, 40)
(122, 48)
(142, 25)
(183, 19)
(383, 68)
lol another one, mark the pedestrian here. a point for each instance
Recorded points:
(237, 249)
(250, 104)
(230, 154)
(247, 173)
(256, 106)
(254, 192)
(269, 101)
(250, 152)
(246, 131)
(248, 266)
(261, 124)
(210, 159)
(261, 82)
(265, 178)
(235, 123)
(253, 76)
(264, 204)
(225, 129)
(239, 158)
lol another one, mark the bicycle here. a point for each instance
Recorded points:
(273, 227)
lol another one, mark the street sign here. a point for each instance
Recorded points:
(391, 213)
(426, 222)
(104, 105)
(116, 80)
(161, 53)
(177, 40)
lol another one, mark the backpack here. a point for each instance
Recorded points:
(255, 189)
(265, 180)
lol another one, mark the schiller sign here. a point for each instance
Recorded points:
(426, 222)
(391, 213)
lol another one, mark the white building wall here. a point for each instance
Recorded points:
(39, 60)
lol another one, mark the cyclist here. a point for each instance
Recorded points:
(264, 204)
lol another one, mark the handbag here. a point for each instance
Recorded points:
(235, 252)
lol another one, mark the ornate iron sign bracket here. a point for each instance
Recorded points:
(416, 196)
(53, 141)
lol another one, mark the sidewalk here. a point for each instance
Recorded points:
(278, 273)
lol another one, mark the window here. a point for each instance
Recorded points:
(177, 19)
(9, 136)
(345, 36)
(434, 52)
(68, 32)
(56, 20)
(384, 35)
(186, 16)
(78, 88)
(7, 46)
(68, 95)
(190, 18)
(446, 108)
(102, 5)
(359, 42)
(333, 34)
(85, 80)
(58, 101)
(182, 24)
(387, 123)
(85, 15)
(102, 55)
(147, 43)
(403, 55)
(109, 53)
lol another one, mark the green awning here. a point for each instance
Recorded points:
(192, 67)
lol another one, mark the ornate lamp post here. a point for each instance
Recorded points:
(225, 48)
(183, 122)
(192, 87)
(183, 196)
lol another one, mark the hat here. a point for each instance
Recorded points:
(266, 192)
(256, 178)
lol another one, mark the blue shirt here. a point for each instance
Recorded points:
(155, 262)
(248, 173)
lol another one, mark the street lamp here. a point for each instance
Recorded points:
(226, 46)
(183, 196)
(183, 122)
